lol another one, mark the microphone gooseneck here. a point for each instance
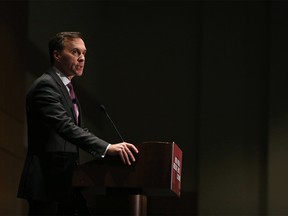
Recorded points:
(102, 107)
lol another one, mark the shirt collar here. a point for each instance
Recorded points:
(63, 78)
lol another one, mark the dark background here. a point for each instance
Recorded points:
(208, 75)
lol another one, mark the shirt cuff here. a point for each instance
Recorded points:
(103, 155)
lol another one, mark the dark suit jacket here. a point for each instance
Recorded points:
(53, 141)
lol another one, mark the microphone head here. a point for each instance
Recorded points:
(102, 107)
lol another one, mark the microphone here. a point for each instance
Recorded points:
(106, 113)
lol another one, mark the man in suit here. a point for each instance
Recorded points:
(55, 134)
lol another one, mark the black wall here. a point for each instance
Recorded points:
(208, 75)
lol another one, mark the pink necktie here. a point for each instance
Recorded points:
(73, 98)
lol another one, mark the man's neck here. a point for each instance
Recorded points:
(64, 78)
(61, 72)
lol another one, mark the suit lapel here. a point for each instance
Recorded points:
(65, 94)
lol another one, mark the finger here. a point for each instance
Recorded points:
(122, 156)
(129, 154)
(131, 146)
(125, 155)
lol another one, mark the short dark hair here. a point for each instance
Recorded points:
(57, 42)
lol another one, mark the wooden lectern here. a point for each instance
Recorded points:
(157, 171)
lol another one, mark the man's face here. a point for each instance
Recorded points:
(71, 59)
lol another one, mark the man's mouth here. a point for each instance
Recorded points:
(79, 67)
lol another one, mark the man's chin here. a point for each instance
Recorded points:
(79, 73)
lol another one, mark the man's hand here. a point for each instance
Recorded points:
(124, 150)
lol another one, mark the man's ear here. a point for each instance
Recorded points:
(56, 55)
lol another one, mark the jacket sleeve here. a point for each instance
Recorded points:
(47, 101)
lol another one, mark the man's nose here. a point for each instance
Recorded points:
(81, 58)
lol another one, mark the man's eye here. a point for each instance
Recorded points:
(75, 52)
